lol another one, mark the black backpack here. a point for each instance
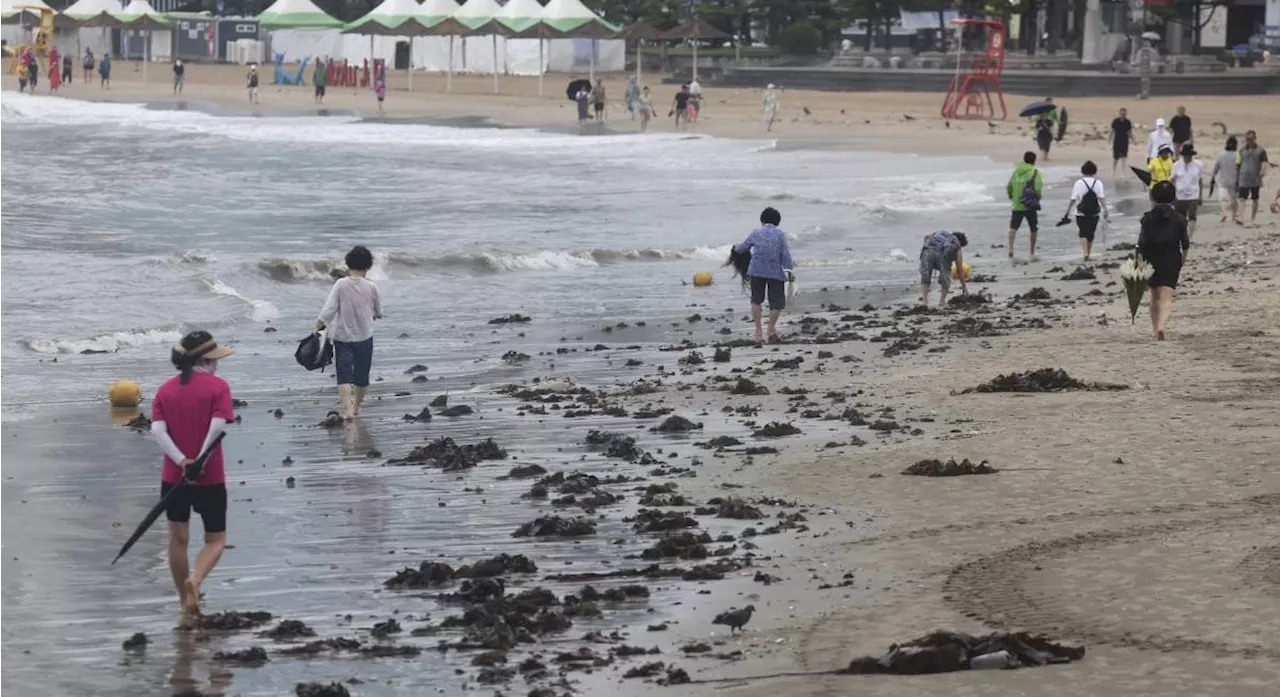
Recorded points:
(1088, 206)
(314, 352)
(1029, 198)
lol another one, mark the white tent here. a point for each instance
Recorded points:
(9, 8)
(477, 14)
(437, 53)
(522, 56)
(96, 38)
(296, 14)
(571, 16)
(150, 25)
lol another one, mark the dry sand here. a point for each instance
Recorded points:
(1142, 523)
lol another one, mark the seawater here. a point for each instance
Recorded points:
(125, 227)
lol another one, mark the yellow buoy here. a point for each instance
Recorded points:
(702, 279)
(125, 393)
(964, 269)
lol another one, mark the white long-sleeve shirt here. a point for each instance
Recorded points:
(351, 308)
(1157, 138)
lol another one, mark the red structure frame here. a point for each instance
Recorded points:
(969, 94)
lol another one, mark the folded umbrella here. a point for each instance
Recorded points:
(1136, 273)
(1036, 109)
(193, 472)
(1142, 175)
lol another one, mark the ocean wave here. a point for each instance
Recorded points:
(299, 270)
(108, 343)
(907, 195)
(893, 256)
(259, 310)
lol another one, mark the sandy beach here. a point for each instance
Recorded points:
(1139, 522)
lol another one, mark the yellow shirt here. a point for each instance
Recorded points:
(1160, 170)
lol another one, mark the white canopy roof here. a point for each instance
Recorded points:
(567, 9)
(520, 9)
(286, 14)
(8, 7)
(90, 8)
(394, 8)
(137, 7)
(437, 8)
(478, 9)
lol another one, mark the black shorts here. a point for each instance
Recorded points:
(599, 107)
(1032, 218)
(1249, 192)
(775, 289)
(209, 501)
(1120, 151)
(1187, 208)
(1088, 225)
(319, 90)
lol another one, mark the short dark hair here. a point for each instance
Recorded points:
(1232, 143)
(1164, 192)
(1088, 169)
(359, 258)
(770, 216)
(963, 238)
(1029, 157)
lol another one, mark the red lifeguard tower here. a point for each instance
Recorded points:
(969, 94)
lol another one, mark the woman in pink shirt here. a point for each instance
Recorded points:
(188, 413)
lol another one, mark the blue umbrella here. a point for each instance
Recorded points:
(1036, 109)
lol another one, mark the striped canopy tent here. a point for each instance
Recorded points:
(479, 18)
(639, 32)
(572, 20)
(94, 13)
(436, 18)
(297, 14)
(391, 18)
(523, 19)
(694, 31)
(139, 15)
(21, 11)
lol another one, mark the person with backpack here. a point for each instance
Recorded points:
(1089, 198)
(1163, 242)
(349, 312)
(1024, 189)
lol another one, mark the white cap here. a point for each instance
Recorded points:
(1159, 123)
(770, 86)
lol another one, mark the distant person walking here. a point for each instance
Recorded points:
(1159, 138)
(1163, 242)
(680, 106)
(695, 99)
(104, 71)
(55, 70)
(88, 66)
(67, 72)
(188, 413)
(1188, 184)
(1253, 171)
(768, 272)
(1121, 137)
(598, 99)
(769, 104)
(632, 96)
(1044, 135)
(1226, 177)
(380, 86)
(940, 252)
(349, 312)
(644, 106)
(33, 71)
(179, 76)
(320, 79)
(251, 83)
(1145, 59)
(1161, 166)
(1089, 198)
(583, 99)
(1024, 190)
(1180, 126)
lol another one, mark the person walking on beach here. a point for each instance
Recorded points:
(188, 413)
(1145, 58)
(1180, 127)
(768, 272)
(1024, 190)
(1044, 135)
(1188, 184)
(680, 106)
(88, 65)
(1089, 198)
(251, 83)
(1163, 242)
(644, 106)
(67, 71)
(349, 312)
(583, 99)
(1226, 177)
(55, 70)
(769, 104)
(1159, 138)
(380, 85)
(1121, 137)
(104, 71)
(1253, 162)
(179, 76)
(320, 78)
(33, 71)
(941, 250)
(598, 99)
(1161, 167)
(632, 96)
(695, 99)
(22, 76)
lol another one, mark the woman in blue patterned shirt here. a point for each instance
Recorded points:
(942, 249)
(768, 272)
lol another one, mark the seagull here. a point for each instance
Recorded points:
(948, 123)
(990, 124)
(735, 619)
(806, 110)
(909, 117)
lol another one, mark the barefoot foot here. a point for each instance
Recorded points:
(191, 597)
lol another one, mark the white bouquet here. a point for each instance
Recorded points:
(1135, 272)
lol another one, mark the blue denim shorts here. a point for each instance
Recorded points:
(352, 361)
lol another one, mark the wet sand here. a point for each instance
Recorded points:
(1140, 523)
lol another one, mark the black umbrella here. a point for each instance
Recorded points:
(1143, 175)
(1036, 109)
(193, 471)
(575, 86)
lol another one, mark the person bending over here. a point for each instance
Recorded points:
(942, 249)
(768, 272)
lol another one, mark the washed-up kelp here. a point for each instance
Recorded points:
(1042, 380)
(943, 652)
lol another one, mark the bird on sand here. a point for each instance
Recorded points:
(908, 117)
(806, 110)
(735, 619)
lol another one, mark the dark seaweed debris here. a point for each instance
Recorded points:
(252, 657)
(943, 652)
(1082, 273)
(288, 629)
(950, 468)
(677, 424)
(312, 648)
(1036, 293)
(969, 300)
(619, 446)
(1042, 380)
(137, 642)
(233, 621)
(428, 574)
(450, 456)
(318, 689)
(776, 429)
(555, 526)
(748, 387)
(516, 318)
(139, 424)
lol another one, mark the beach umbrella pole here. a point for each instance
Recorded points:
(495, 63)
(410, 63)
(639, 62)
(591, 67)
(448, 76)
(371, 78)
(146, 55)
(695, 60)
(541, 68)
